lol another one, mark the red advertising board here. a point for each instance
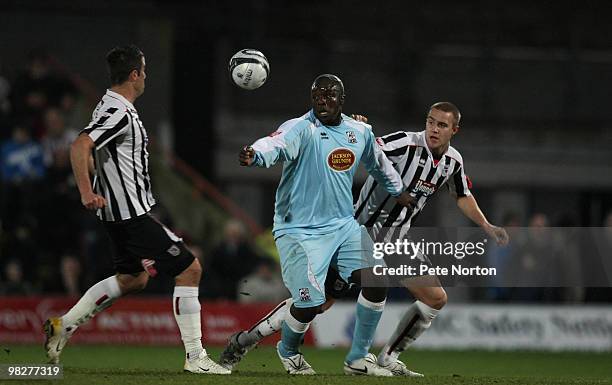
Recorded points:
(135, 320)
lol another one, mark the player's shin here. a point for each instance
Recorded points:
(367, 316)
(97, 298)
(187, 314)
(267, 326)
(414, 322)
(292, 333)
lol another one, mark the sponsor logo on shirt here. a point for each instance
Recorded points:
(341, 159)
(424, 187)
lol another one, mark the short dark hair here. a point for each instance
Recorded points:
(448, 107)
(122, 60)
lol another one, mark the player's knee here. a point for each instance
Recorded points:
(437, 299)
(305, 314)
(191, 275)
(374, 294)
(131, 283)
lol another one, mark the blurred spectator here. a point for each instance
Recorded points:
(71, 273)
(263, 285)
(231, 260)
(536, 260)
(14, 283)
(502, 258)
(22, 167)
(598, 243)
(5, 106)
(39, 87)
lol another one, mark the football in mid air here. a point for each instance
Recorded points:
(249, 69)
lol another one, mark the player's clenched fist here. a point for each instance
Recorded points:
(93, 201)
(246, 156)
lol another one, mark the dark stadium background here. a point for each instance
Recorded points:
(532, 79)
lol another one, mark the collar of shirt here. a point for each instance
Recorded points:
(318, 123)
(423, 142)
(115, 95)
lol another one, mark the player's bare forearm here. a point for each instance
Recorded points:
(470, 209)
(80, 154)
(91, 166)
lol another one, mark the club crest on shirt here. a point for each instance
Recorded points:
(351, 137)
(425, 188)
(304, 294)
(341, 159)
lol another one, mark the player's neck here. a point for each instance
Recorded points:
(126, 91)
(439, 152)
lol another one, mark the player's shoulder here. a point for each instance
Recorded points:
(406, 138)
(453, 153)
(111, 102)
(356, 125)
(296, 124)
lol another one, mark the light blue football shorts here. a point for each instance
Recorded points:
(305, 259)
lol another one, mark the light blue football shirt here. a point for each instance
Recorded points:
(314, 195)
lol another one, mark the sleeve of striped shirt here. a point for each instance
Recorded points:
(377, 165)
(281, 145)
(106, 125)
(459, 184)
(394, 145)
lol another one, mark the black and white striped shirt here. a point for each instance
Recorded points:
(422, 177)
(121, 159)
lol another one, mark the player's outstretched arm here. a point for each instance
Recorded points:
(80, 154)
(470, 209)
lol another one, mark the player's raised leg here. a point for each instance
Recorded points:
(241, 342)
(414, 322)
(99, 297)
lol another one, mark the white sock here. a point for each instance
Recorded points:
(97, 298)
(267, 326)
(187, 314)
(413, 323)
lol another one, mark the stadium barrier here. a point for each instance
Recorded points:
(469, 326)
(150, 321)
(137, 320)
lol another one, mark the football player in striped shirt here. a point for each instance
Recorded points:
(113, 148)
(426, 161)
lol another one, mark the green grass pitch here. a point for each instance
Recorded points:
(91, 365)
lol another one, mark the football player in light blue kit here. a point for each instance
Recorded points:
(314, 225)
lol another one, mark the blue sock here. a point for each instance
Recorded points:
(367, 316)
(290, 341)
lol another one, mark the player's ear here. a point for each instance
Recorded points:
(455, 129)
(134, 75)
